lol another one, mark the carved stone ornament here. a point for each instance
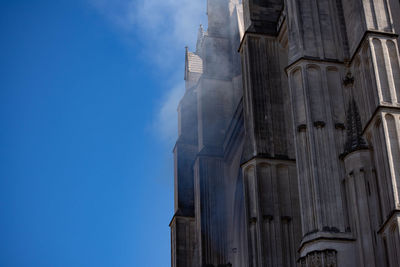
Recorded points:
(355, 140)
(349, 79)
(330, 258)
(325, 258)
(316, 259)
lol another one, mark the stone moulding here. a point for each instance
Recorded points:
(355, 140)
(323, 258)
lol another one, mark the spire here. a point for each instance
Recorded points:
(200, 36)
(186, 62)
(354, 141)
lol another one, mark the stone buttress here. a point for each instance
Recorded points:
(289, 136)
(268, 163)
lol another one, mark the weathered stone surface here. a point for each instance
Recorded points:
(289, 151)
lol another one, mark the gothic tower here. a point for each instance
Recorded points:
(289, 136)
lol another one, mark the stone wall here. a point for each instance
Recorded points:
(289, 136)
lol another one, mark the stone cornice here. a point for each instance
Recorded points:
(321, 236)
(312, 59)
(365, 36)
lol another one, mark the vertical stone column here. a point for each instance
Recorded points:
(216, 102)
(373, 37)
(183, 239)
(317, 49)
(272, 212)
(214, 108)
(209, 208)
(269, 169)
(360, 186)
(183, 242)
(359, 172)
(384, 137)
(315, 87)
(383, 125)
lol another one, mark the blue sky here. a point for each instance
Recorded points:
(88, 95)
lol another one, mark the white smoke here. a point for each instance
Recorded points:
(166, 119)
(166, 27)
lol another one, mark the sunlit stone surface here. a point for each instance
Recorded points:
(289, 136)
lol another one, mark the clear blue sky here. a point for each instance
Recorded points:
(86, 180)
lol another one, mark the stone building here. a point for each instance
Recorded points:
(289, 136)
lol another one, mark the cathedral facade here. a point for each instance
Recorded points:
(289, 136)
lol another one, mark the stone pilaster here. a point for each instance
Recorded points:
(376, 67)
(272, 212)
(209, 209)
(269, 169)
(317, 49)
(316, 89)
(360, 189)
(183, 242)
(217, 99)
(383, 135)
(316, 30)
(185, 152)
(265, 98)
(361, 199)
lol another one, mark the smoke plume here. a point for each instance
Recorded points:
(165, 27)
